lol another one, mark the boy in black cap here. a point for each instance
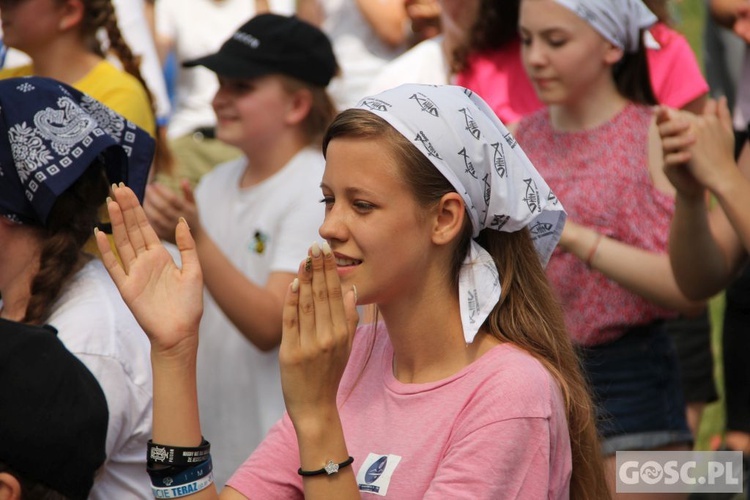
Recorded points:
(54, 416)
(252, 218)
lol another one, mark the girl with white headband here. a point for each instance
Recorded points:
(465, 387)
(597, 145)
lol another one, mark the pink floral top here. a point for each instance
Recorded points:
(601, 176)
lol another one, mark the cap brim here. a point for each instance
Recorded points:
(228, 66)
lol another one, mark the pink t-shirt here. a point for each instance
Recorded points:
(676, 76)
(499, 77)
(496, 429)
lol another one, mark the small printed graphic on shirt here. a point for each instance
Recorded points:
(375, 474)
(258, 244)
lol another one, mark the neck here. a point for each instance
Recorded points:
(67, 60)
(17, 271)
(427, 337)
(263, 161)
(594, 107)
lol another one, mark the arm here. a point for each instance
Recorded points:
(164, 30)
(255, 310)
(167, 302)
(319, 324)
(645, 273)
(704, 248)
(387, 18)
(648, 274)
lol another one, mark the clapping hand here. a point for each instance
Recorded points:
(166, 300)
(697, 148)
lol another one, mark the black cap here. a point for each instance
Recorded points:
(271, 43)
(54, 414)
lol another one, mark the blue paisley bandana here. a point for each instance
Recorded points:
(50, 133)
(464, 139)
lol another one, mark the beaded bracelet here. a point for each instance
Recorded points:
(175, 455)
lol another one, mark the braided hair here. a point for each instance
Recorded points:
(69, 226)
(101, 14)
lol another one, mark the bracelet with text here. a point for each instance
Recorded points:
(175, 477)
(184, 489)
(330, 468)
(161, 454)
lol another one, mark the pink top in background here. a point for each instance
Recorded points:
(495, 430)
(676, 76)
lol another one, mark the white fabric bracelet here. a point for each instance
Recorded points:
(185, 489)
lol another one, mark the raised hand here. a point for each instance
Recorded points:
(166, 300)
(319, 321)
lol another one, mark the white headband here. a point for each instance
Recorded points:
(463, 138)
(619, 21)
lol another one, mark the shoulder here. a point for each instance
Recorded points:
(24, 70)
(121, 92)
(668, 38)
(511, 374)
(92, 318)
(222, 175)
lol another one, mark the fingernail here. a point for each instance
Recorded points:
(96, 231)
(114, 186)
(109, 200)
(326, 249)
(182, 219)
(356, 297)
(121, 184)
(315, 250)
(308, 264)
(295, 285)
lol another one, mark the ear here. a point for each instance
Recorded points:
(72, 12)
(10, 488)
(300, 103)
(449, 218)
(613, 54)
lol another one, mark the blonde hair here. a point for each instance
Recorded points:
(527, 315)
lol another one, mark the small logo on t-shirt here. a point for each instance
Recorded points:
(258, 244)
(375, 474)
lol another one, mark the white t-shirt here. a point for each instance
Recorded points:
(423, 63)
(359, 51)
(198, 28)
(262, 229)
(95, 324)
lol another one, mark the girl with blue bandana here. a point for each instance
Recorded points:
(466, 386)
(59, 152)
